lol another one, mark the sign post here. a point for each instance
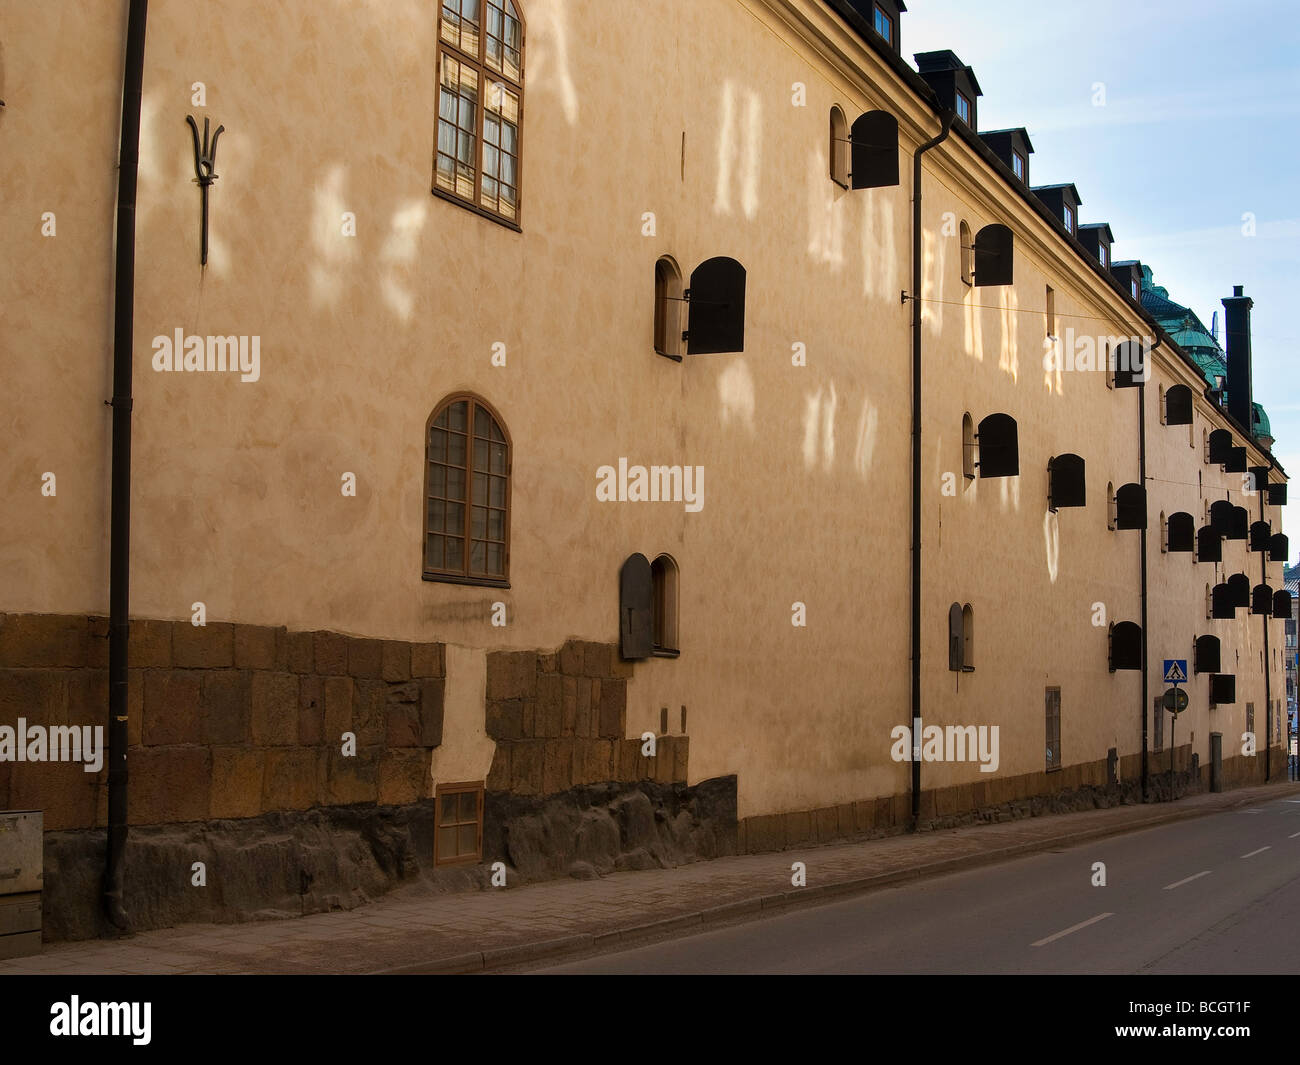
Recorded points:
(1175, 701)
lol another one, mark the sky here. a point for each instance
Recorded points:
(1195, 129)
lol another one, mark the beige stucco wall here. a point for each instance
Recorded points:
(236, 499)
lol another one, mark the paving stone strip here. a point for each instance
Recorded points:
(418, 930)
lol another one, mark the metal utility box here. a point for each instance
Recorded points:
(21, 879)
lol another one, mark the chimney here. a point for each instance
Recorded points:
(1236, 330)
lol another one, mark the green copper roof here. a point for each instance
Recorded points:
(1189, 333)
(1261, 426)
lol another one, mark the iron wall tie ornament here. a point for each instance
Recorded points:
(205, 161)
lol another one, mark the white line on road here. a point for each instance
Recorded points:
(1255, 852)
(1293, 835)
(1186, 880)
(1072, 928)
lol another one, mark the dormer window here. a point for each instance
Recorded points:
(1101, 254)
(884, 24)
(1018, 165)
(1133, 285)
(1069, 218)
(963, 108)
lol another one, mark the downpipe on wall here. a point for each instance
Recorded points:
(945, 129)
(120, 507)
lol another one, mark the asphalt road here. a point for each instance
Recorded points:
(1211, 895)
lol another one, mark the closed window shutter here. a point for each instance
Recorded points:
(636, 625)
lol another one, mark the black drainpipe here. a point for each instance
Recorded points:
(119, 565)
(1142, 475)
(947, 120)
(1268, 665)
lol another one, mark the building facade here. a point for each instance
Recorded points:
(540, 425)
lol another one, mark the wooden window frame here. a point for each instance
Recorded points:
(460, 788)
(879, 14)
(969, 447)
(664, 606)
(962, 98)
(1019, 171)
(669, 300)
(839, 147)
(446, 575)
(1052, 767)
(486, 76)
(967, 638)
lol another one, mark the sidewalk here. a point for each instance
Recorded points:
(416, 929)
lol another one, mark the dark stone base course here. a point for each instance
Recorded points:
(283, 864)
(293, 863)
(1076, 789)
(595, 829)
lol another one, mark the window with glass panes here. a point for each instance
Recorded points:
(884, 24)
(480, 100)
(467, 494)
(458, 836)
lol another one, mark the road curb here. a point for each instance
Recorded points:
(499, 957)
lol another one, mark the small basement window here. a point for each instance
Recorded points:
(1052, 706)
(458, 832)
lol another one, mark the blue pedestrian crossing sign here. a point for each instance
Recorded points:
(1175, 671)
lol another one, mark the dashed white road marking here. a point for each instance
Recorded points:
(1186, 880)
(1252, 854)
(1072, 928)
(1293, 835)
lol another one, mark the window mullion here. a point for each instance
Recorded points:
(481, 118)
(469, 486)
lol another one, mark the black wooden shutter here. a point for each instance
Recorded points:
(874, 151)
(636, 630)
(716, 308)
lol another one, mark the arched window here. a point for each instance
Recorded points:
(967, 258)
(480, 100)
(968, 457)
(967, 639)
(467, 494)
(839, 148)
(956, 655)
(663, 584)
(668, 304)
